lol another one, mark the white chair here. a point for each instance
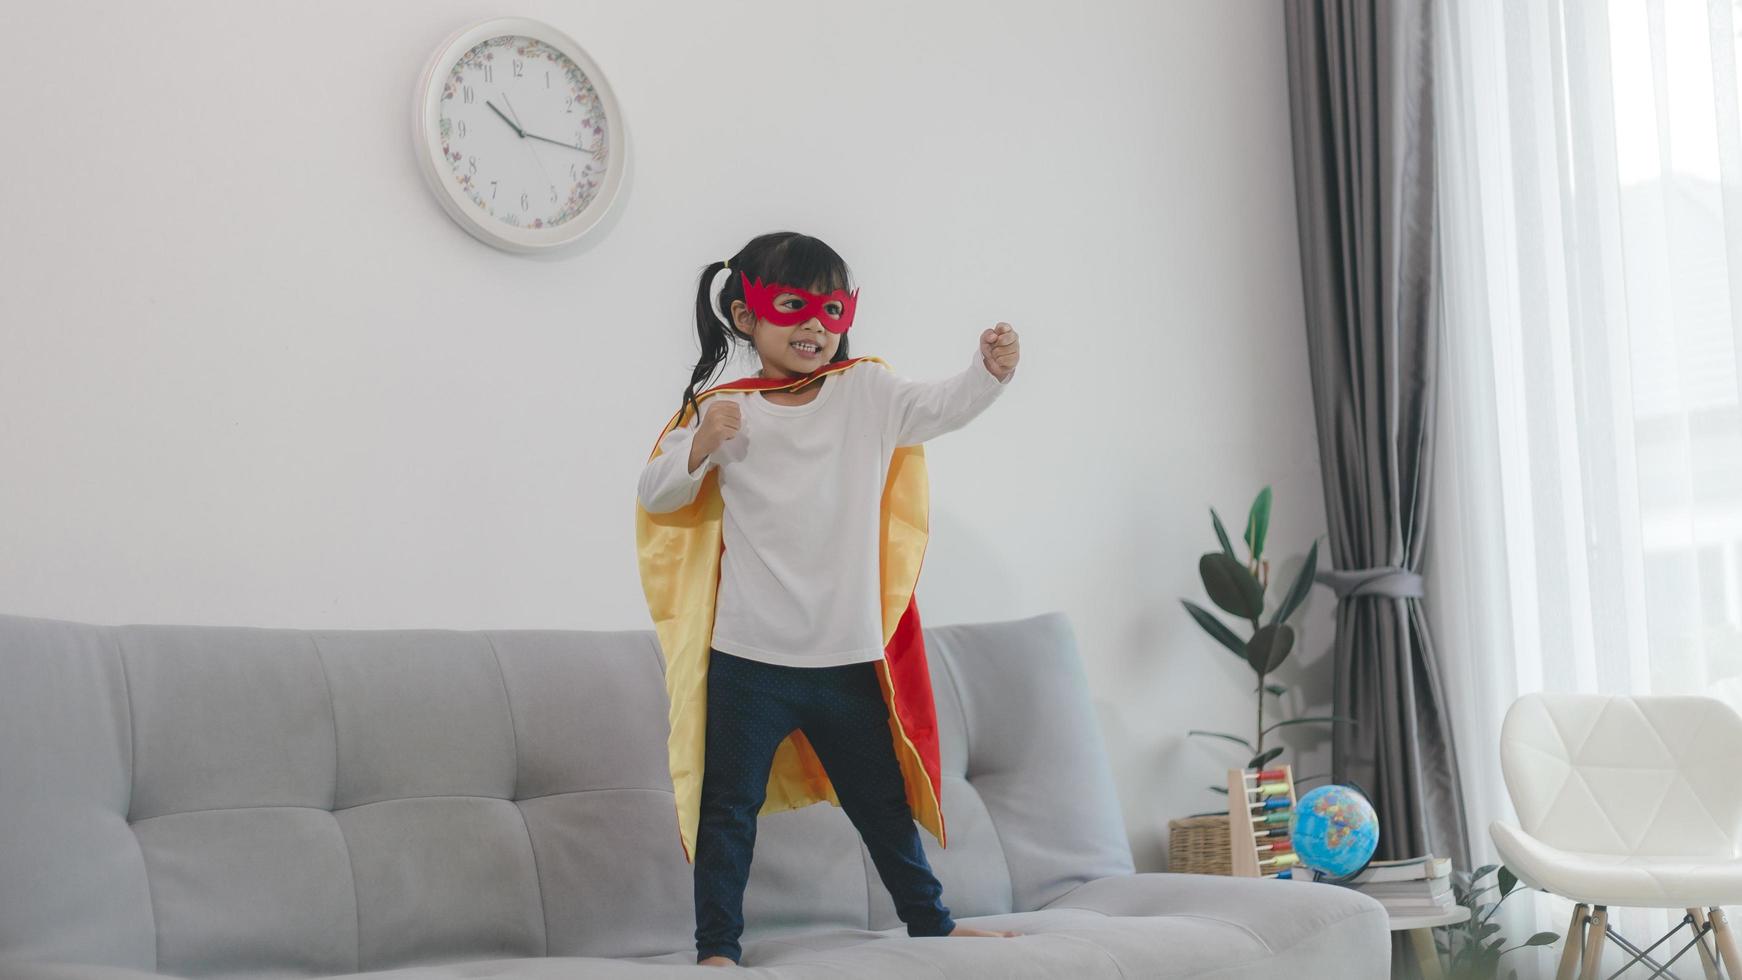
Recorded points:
(1632, 802)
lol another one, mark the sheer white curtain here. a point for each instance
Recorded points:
(1588, 497)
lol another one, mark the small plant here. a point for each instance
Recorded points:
(1475, 946)
(1238, 588)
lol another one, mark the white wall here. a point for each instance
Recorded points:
(252, 373)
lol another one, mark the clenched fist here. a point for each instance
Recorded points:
(1000, 350)
(719, 424)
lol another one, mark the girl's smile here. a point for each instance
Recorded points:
(789, 352)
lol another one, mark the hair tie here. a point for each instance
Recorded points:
(714, 290)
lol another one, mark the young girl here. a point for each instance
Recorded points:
(780, 539)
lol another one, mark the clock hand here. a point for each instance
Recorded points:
(535, 136)
(510, 122)
(510, 106)
(523, 135)
(558, 142)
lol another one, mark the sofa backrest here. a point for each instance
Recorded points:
(209, 801)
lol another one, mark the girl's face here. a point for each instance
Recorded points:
(788, 352)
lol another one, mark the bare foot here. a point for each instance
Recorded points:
(968, 931)
(717, 961)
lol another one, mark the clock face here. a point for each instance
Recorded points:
(523, 133)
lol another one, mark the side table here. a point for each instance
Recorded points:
(1421, 934)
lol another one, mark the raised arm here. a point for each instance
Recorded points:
(919, 411)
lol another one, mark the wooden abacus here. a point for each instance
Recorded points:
(1260, 803)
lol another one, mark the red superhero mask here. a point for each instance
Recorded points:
(760, 299)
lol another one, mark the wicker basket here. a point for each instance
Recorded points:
(1199, 846)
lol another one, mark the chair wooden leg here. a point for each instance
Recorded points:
(1707, 960)
(1726, 942)
(1573, 943)
(1593, 954)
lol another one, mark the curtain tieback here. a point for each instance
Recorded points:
(1383, 582)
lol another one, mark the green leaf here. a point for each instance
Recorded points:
(1542, 939)
(1232, 738)
(1211, 813)
(1269, 647)
(1261, 760)
(1508, 880)
(1220, 789)
(1231, 586)
(1216, 628)
(1276, 689)
(1482, 872)
(1222, 535)
(1257, 523)
(1303, 721)
(1303, 584)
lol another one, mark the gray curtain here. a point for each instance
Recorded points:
(1361, 79)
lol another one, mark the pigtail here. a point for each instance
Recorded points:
(715, 337)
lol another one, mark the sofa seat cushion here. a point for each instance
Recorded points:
(1278, 915)
(1081, 943)
(1143, 925)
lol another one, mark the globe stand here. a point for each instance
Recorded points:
(1260, 802)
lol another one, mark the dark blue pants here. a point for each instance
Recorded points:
(752, 707)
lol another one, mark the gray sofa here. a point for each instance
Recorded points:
(199, 801)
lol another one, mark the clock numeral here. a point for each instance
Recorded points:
(489, 76)
(569, 104)
(466, 94)
(462, 129)
(572, 174)
(473, 161)
(492, 190)
(518, 68)
(553, 193)
(547, 79)
(525, 202)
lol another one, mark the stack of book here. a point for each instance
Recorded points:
(1413, 886)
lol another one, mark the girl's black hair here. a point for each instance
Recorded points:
(779, 256)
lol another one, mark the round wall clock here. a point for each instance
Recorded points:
(519, 135)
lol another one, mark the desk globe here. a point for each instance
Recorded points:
(1334, 830)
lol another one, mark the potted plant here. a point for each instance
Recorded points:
(1239, 587)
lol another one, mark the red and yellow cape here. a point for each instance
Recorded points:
(680, 573)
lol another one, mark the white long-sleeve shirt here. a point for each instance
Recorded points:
(801, 487)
